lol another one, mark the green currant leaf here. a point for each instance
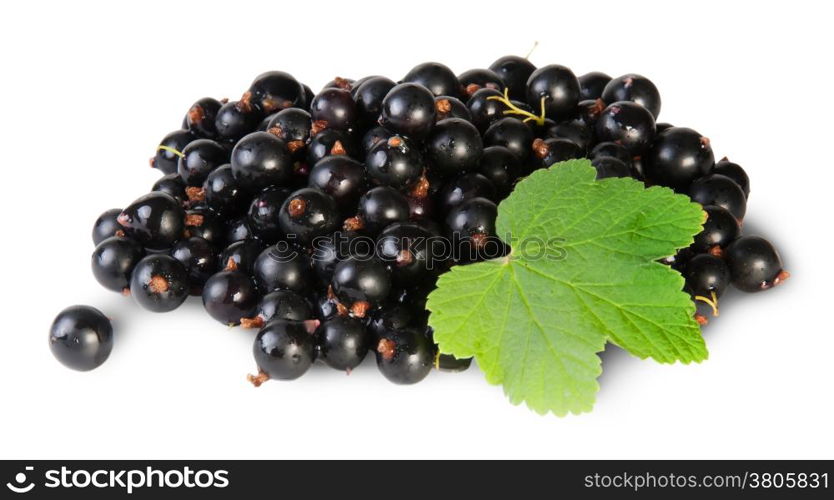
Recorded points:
(583, 271)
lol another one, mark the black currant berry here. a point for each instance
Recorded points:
(293, 126)
(450, 107)
(236, 119)
(484, 110)
(374, 136)
(465, 187)
(334, 108)
(592, 84)
(260, 160)
(438, 78)
(720, 229)
(113, 261)
(404, 356)
(201, 115)
(514, 71)
(307, 214)
(735, 172)
(634, 88)
(369, 96)
(408, 109)
(449, 363)
(279, 305)
(284, 350)
(378, 208)
(170, 149)
(244, 252)
(471, 225)
(511, 134)
(222, 192)
(361, 283)
(264, 210)
(328, 142)
(343, 342)
(628, 124)
(576, 130)
(199, 258)
(159, 283)
(155, 220)
(707, 274)
(173, 185)
(716, 189)
(559, 88)
(404, 248)
(199, 159)
(612, 149)
(203, 222)
(274, 91)
(81, 338)
(395, 162)
(230, 295)
(280, 267)
(238, 230)
(454, 146)
(341, 177)
(476, 79)
(755, 265)
(501, 167)
(547, 152)
(678, 156)
(107, 225)
(608, 166)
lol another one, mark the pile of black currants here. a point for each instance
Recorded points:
(323, 220)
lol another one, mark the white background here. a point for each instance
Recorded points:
(90, 89)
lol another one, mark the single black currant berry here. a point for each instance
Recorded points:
(405, 248)
(328, 142)
(501, 167)
(634, 88)
(755, 265)
(369, 96)
(471, 226)
(450, 107)
(361, 283)
(343, 342)
(222, 192)
(155, 220)
(107, 225)
(159, 283)
(474, 80)
(557, 86)
(284, 350)
(230, 295)
(279, 305)
(514, 71)
(341, 177)
(172, 184)
(612, 149)
(201, 115)
(465, 187)
(294, 127)
(273, 91)
(244, 252)
(340, 83)
(260, 160)
(170, 149)
(716, 189)
(374, 136)
(199, 159)
(280, 267)
(238, 230)
(205, 223)
(395, 162)
(307, 214)
(511, 134)
(378, 208)
(264, 210)
(236, 119)
(576, 130)
(628, 124)
(547, 152)
(678, 156)
(394, 316)
(485, 108)
(408, 109)
(720, 229)
(735, 172)
(404, 356)
(334, 108)
(454, 146)
(81, 338)
(608, 166)
(438, 78)
(592, 84)
(113, 261)
(199, 258)
(449, 363)
(706, 275)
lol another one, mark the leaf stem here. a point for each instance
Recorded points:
(515, 110)
(711, 301)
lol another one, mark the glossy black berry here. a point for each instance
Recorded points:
(159, 283)
(260, 160)
(235, 120)
(511, 134)
(280, 267)
(755, 264)
(201, 115)
(369, 96)
(436, 77)
(81, 338)
(559, 88)
(634, 88)
(343, 342)
(716, 189)
(404, 356)
(374, 136)
(205, 223)
(264, 210)
(720, 229)
(735, 172)
(274, 91)
(199, 159)
(380, 207)
(238, 229)
(279, 305)
(608, 166)
(334, 108)
(243, 252)
(592, 84)
(450, 107)
(449, 363)
(222, 192)
(341, 177)
(405, 248)
(328, 142)
(173, 185)
(307, 214)
(284, 350)
(627, 124)
(501, 167)
(706, 274)
(361, 282)
(611, 149)
(113, 261)
(155, 220)
(199, 258)
(678, 156)
(293, 126)
(484, 110)
(514, 71)
(470, 226)
(474, 80)
(107, 225)
(395, 162)
(547, 152)
(229, 296)
(465, 187)
(408, 109)
(454, 146)
(169, 150)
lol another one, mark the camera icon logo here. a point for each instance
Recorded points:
(20, 482)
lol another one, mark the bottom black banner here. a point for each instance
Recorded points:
(432, 479)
